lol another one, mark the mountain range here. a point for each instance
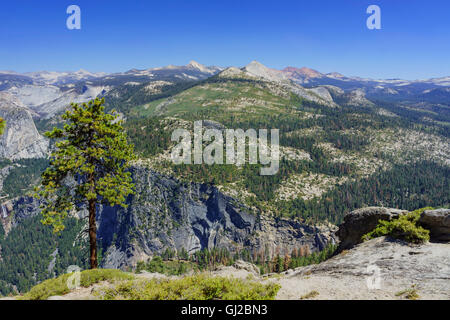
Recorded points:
(195, 71)
(345, 143)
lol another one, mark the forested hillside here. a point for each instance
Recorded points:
(339, 152)
(31, 253)
(334, 159)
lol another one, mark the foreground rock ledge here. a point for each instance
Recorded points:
(346, 275)
(400, 266)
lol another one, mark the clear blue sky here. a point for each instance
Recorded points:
(414, 41)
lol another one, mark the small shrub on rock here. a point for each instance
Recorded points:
(405, 227)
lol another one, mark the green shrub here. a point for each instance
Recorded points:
(198, 287)
(404, 228)
(170, 268)
(410, 294)
(58, 286)
(310, 295)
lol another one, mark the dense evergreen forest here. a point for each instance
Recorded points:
(408, 186)
(23, 176)
(178, 263)
(26, 253)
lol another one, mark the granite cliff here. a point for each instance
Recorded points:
(166, 213)
(21, 139)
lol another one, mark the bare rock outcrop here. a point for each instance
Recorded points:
(359, 222)
(380, 268)
(21, 139)
(438, 222)
(240, 269)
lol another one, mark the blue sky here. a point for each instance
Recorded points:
(414, 41)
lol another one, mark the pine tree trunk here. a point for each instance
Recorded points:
(92, 235)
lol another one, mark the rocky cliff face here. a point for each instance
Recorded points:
(21, 138)
(165, 213)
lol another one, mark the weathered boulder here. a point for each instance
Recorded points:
(240, 270)
(242, 265)
(438, 222)
(359, 222)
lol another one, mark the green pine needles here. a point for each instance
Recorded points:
(88, 166)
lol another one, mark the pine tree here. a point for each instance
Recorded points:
(286, 262)
(89, 166)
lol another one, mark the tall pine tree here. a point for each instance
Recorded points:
(88, 166)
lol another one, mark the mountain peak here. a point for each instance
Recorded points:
(255, 64)
(83, 71)
(196, 65)
(335, 75)
(256, 68)
(304, 71)
(202, 68)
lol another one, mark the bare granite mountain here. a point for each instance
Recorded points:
(21, 138)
